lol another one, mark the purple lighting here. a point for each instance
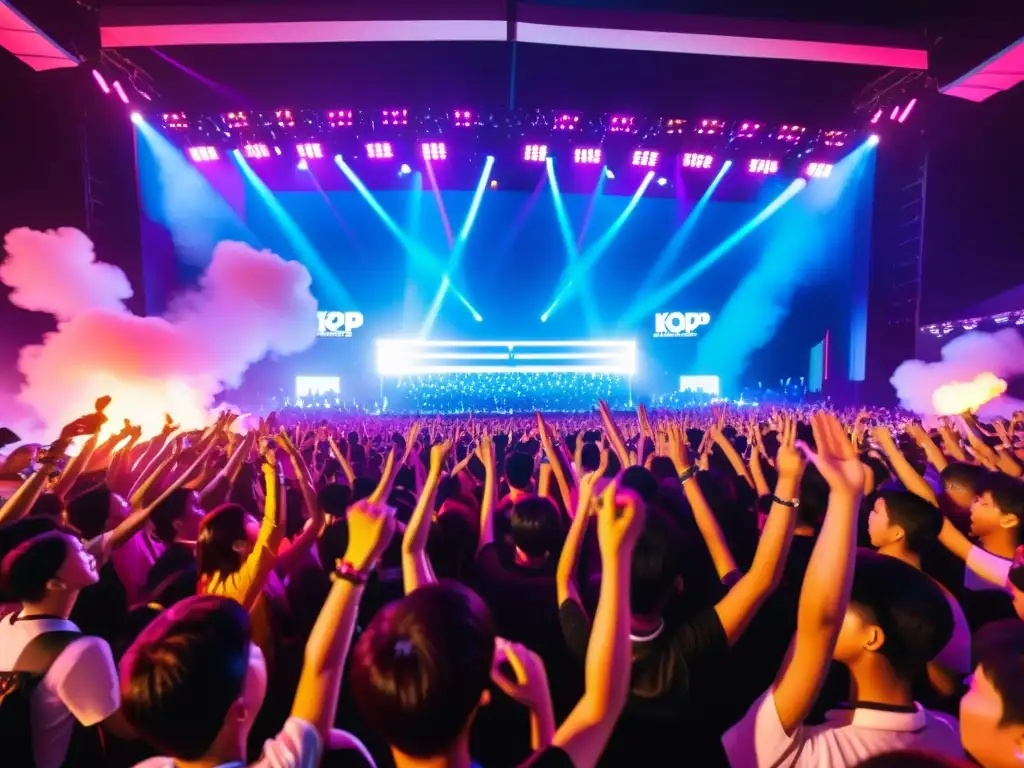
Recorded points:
(645, 158)
(674, 125)
(380, 150)
(621, 123)
(710, 127)
(309, 151)
(566, 122)
(120, 91)
(698, 160)
(589, 156)
(256, 151)
(835, 138)
(906, 111)
(203, 154)
(747, 130)
(876, 117)
(818, 170)
(463, 118)
(895, 112)
(535, 153)
(285, 119)
(100, 81)
(395, 117)
(236, 120)
(175, 120)
(763, 166)
(434, 150)
(339, 118)
(791, 134)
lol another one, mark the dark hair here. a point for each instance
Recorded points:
(657, 562)
(89, 512)
(518, 470)
(27, 568)
(909, 607)
(334, 499)
(999, 650)
(47, 505)
(920, 520)
(590, 456)
(1007, 494)
(294, 512)
(218, 532)
(536, 526)
(967, 475)
(640, 480)
(421, 665)
(663, 469)
(181, 675)
(168, 511)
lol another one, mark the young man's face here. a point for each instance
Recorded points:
(880, 529)
(986, 517)
(981, 712)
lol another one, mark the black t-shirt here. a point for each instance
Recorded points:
(672, 678)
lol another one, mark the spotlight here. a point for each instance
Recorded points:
(493, 185)
(137, 118)
(763, 166)
(645, 158)
(404, 170)
(791, 134)
(710, 127)
(339, 118)
(285, 119)
(380, 150)
(203, 154)
(620, 123)
(895, 112)
(175, 121)
(463, 118)
(303, 165)
(256, 151)
(608, 173)
(434, 150)
(662, 181)
(698, 160)
(587, 156)
(674, 125)
(101, 81)
(395, 117)
(873, 140)
(309, 150)
(818, 170)
(747, 130)
(906, 111)
(120, 91)
(235, 120)
(566, 122)
(535, 153)
(835, 138)
(876, 117)
(277, 151)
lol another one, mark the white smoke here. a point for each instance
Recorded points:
(963, 359)
(247, 304)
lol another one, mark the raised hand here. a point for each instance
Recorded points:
(677, 448)
(169, 426)
(789, 461)
(528, 683)
(89, 424)
(438, 454)
(370, 528)
(835, 459)
(620, 520)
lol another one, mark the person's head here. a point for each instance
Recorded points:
(896, 622)
(992, 710)
(656, 574)
(334, 499)
(641, 481)
(422, 667)
(903, 519)
(519, 470)
(96, 511)
(590, 456)
(663, 469)
(193, 678)
(999, 507)
(178, 516)
(46, 565)
(226, 537)
(960, 482)
(536, 527)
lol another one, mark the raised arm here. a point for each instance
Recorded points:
(554, 461)
(416, 570)
(615, 435)
(735, 460)
(747, 595)
(346, 468)
(565, 584)
(490, 501)
(829, 579)
(370, 527)
(907, 475)
(315, 524)
(935, 456)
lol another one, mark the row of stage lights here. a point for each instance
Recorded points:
(435, 151)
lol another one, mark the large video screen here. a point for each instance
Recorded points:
(733, 287)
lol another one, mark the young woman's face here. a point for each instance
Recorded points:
(981, 711)
(79, 568)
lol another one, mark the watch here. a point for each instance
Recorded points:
(348, 572)
(791, 504)
(687, 474)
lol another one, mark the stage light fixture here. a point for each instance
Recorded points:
(895, 112)
(873, 140)
(434, 150)
(302, 165)
(747, 130)
(645, 158)
(285, 119)
(101, 81)
(674, 125)
(535, 153)
(256, 151)
(698, 160)
(710, 127)
(835, 138)
(906, 111)
(463, 118)
(120, 91)
(395, 117)
(203, 154)
(662, 181)
(339, 118)
(791, 134)
(235, 120)
(404, 169)
(876, 117)
(818, 170)
(621, 124)
(763, 166)
(380, 150)
(310, 150)
(175, 121)
(586, 155)
(137, 118)
(277, 151)
(608, 173)
(566, 122)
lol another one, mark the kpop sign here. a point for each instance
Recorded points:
(679, 325)
(338, 325)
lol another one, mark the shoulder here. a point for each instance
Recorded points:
(298, 745)
(87, 657)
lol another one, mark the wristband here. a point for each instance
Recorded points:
(687, 474)
(348, 572)
(791, 504)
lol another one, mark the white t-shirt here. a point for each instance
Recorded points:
(80, 685)
(847, 738)
(296, 746)
(985, 571)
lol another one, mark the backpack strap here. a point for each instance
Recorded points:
(38, 656)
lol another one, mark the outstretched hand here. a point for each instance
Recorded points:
(370, 528)
(835, 458)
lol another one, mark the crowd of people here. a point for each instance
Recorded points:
(752, 588)
(507, 392)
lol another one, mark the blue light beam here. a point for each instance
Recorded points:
(658, 298)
